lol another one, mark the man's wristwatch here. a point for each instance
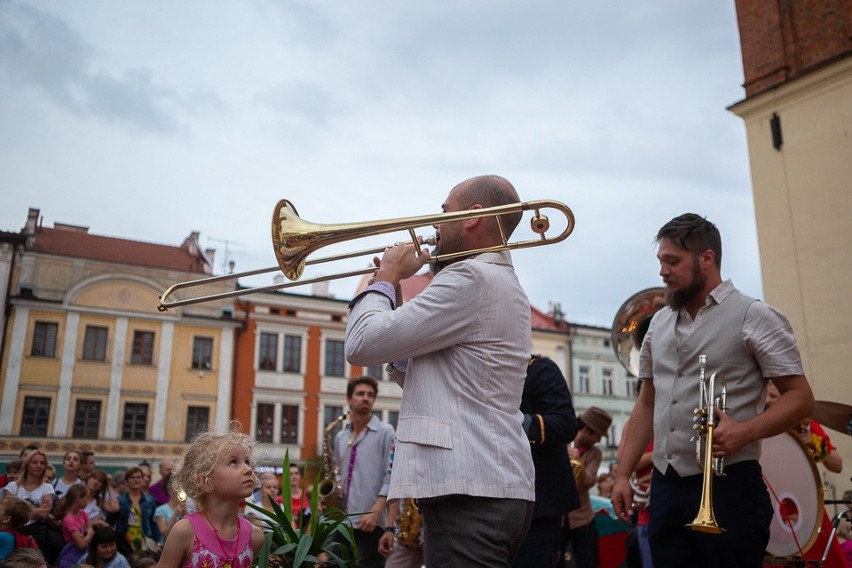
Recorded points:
(389, 529)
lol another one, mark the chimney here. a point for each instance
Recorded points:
(30, 227)
(320, 290)
(191, 243)
(210, 253)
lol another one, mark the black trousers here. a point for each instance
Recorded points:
(741, 506)
(584, 546)
(368, 548)
(542, 546)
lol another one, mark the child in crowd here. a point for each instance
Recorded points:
(216, 473)
(103, 550)
(13, 469)
(76, 527)
(266, 497)
(24, 558)
(141, 561)
(14, 514)
(71, 464)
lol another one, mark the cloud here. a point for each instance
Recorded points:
(41, 51)
(375, 109)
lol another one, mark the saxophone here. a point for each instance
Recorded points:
(408, 523)
(328, 486)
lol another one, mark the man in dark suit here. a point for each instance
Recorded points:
(550, 425)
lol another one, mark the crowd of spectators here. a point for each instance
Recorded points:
(84, 516)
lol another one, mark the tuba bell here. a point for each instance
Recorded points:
(631, 324)
(628, 331)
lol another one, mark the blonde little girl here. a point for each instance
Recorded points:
(216, 473)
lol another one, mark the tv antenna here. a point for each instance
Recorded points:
(228, 263)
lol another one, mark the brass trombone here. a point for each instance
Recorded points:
(294, 240)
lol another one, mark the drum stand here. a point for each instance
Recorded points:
(798, 561)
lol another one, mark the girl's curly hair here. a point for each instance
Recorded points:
(192, 472)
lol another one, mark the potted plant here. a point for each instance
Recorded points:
(308, 546)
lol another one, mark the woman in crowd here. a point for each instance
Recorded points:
(71, 464)
(299, 498)
(145, 467)
(32, 486)
(167, 514)
(103, 499)
(135, 518)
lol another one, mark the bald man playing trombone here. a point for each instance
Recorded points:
(459, 352)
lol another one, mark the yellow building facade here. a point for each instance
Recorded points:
(88, 361)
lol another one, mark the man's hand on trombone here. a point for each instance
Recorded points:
(399, 262)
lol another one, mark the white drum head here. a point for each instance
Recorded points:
(795, 490)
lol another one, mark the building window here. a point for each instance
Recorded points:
(376, 372)
(135, 423)
(583, 385)
(202, 353)
(44, 339)
(197, 421)
(632, 387)
(292, 354)
(289, 424)
(87, 418)
(606, 382)
(334, 362)
(393, 418)
(263, 424)
(268, 356)
(36, 414)
(94, 345)
(143, 348)
(330, 414)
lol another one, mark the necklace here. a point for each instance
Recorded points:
(230, 560)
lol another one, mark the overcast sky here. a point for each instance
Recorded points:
(147, 120)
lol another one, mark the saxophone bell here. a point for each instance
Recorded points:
(328, 485)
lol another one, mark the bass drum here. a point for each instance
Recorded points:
(795, 490)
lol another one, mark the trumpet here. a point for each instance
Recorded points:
(704, 422)
(294, 240)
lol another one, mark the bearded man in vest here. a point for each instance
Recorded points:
(748, 342)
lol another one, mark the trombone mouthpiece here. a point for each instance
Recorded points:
(702, 360)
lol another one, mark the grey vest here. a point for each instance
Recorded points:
(675, 375)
